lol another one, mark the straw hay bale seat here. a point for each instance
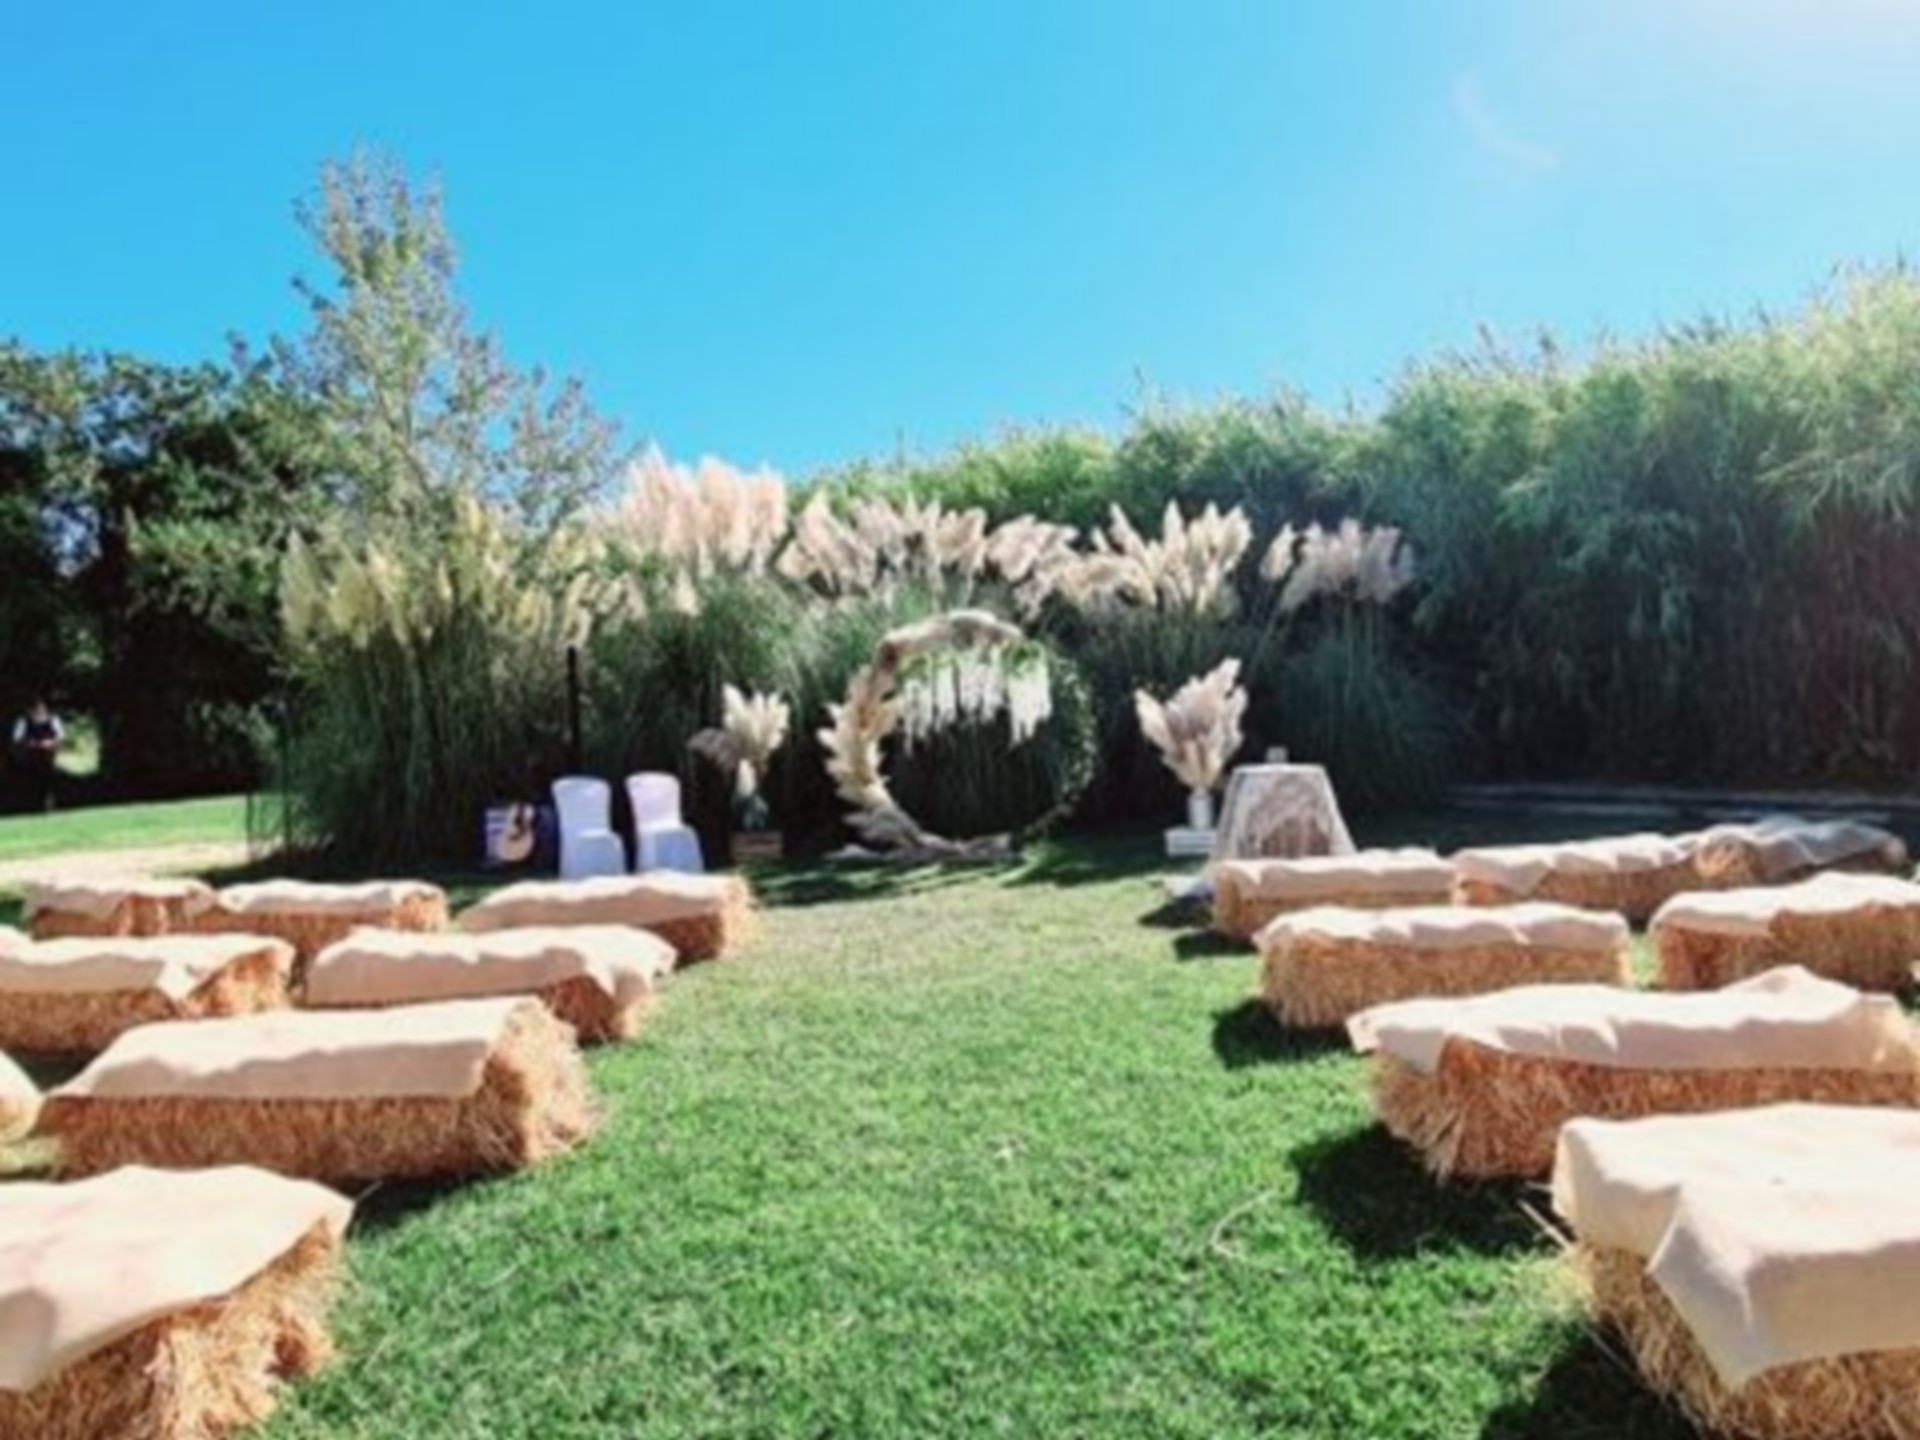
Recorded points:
(1781, 849)
(1631, 875)
(148, 1305)
(311, 916)
(1863, 930)
(1482, 1085)
(116, 906)
(1762, 1266)
(600, 979)
(466, 1087)
(1249, 894)
(701, 916)
(78, 995)
(19, 1100)
(1322, 966)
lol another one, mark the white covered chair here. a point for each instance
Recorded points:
(589, 845)
(662, 838)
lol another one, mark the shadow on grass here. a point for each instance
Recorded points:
(393, 1203)
(1589, 1393)
(1369, 1192)
(1095, 859)
(1208, 945)
(1249, 1035)
(828, 883)
(1176, 915)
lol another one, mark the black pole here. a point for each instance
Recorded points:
(574, 761)
(285, 727)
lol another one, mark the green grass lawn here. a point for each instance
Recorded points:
(220, 820)
(967, 1154)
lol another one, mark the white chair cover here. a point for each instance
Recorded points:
(662, 838)
(588, 844)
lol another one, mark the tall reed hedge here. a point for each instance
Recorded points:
(1694, 557)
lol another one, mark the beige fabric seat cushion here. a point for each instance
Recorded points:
(641, 901)
(1780, 847)
(99, 897)
(391, 967)
(415, 1051)
(303, 897)
(1752, 912)
(1318, 877)
(84, 1264)
(1781, 1235)
(1451, 927)
(1784, 1019)
(1521, 868)
(173, 965)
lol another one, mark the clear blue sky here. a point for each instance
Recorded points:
(796, 233)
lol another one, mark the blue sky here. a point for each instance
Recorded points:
(797, 233)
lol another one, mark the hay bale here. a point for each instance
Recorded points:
(1481, 1086)
(19, 1100)
(466, 1087)
(1630, 875)
(702, 917)
(1862, 930)
(1250, 894)
(1762, 1266)
(1781, 849)
(153, 1306)
(1322, 966)
(76, 996)
(600, 979)
(130, 905)
(311, 916)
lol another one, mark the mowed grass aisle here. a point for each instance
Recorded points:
(961, 1156)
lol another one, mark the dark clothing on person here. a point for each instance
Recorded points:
(37, 741)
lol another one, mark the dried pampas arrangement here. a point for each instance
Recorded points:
(1198, 731)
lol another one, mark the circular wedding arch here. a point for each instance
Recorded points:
(861, 724)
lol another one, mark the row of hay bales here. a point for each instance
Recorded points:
(1627, 875)
(1732, 1154)
(252, 1047)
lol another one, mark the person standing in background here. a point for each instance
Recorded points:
(37, 738)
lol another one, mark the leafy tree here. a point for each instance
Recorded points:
(416, 408)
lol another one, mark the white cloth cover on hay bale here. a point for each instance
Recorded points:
(379, 968)
(1781, 1234)
(1454, 927)
(1417, 876)
(100, 897)
(416, 1051)
(1786, 1019)
(1521, 868)
(12, 940)
(640, 901)
(1781, 847)
(702, 916)
(304, 897)
(84, 1264)
(172, 965)
(1751, 913)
